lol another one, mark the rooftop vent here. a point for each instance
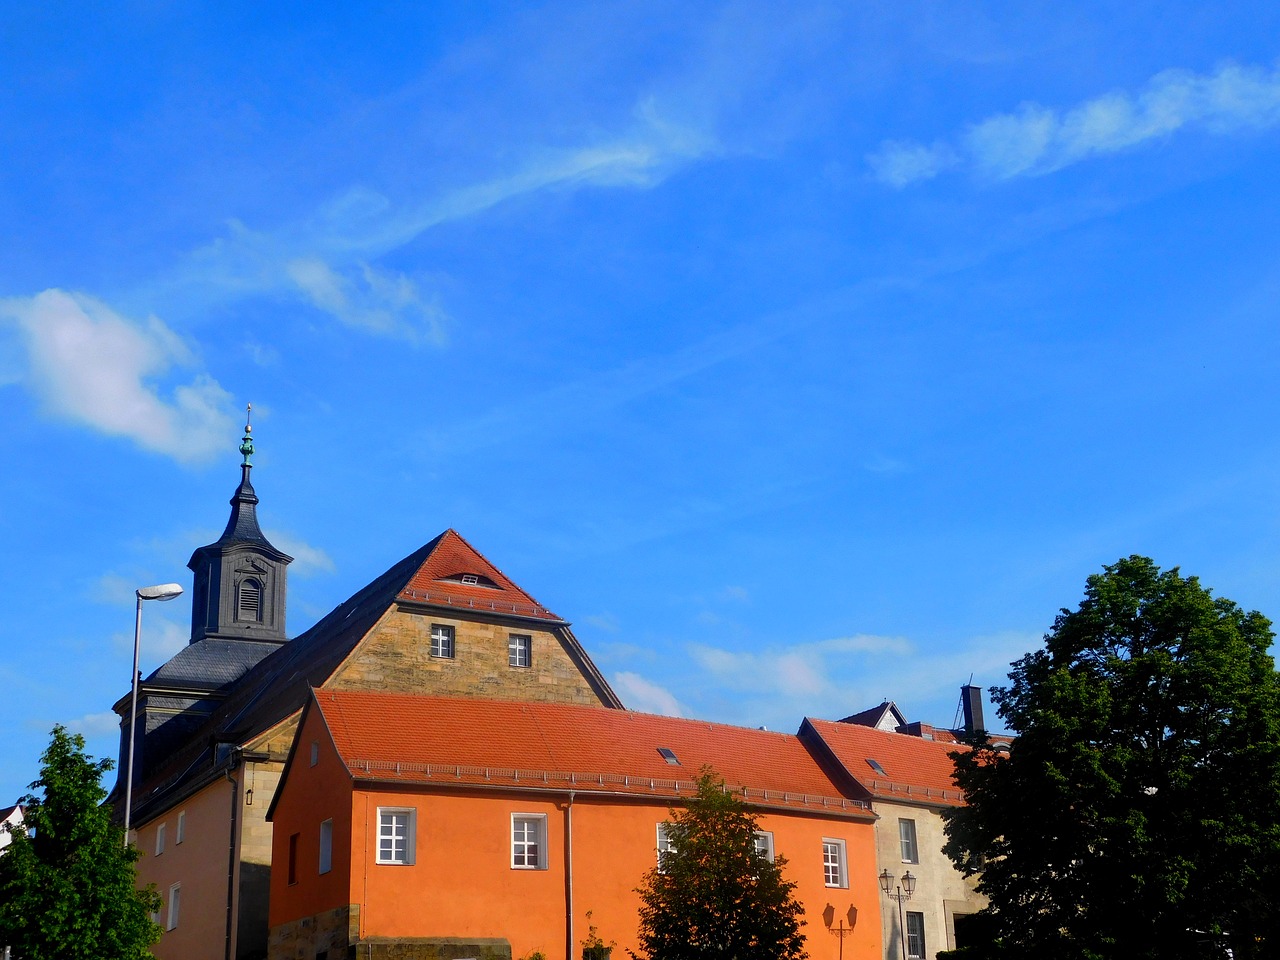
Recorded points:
(669, 755)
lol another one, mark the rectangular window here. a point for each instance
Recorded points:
(181, 833)
(519, 650)
(160, 834)
(907, 839)
(665, 844)
(315, 752)
(442, 641)
(833, 864)
(764, 844)
(915, 935)
(326, 846)
(175, 906)
(293, 858)
(528, 841)
(395, 834)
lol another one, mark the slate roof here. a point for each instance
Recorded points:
(279, 685)
(444, 741)
(210, 664)
(242, 526)
(915, 770)
(874, 716)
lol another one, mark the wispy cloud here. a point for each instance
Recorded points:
(329, 259)
(644, 695)
(1035, 140)
(96, 724)
(91, 366)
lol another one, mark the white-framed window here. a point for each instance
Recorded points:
(442, 640)
(915, 935)
(528, 841)
(396, 827)
(907, 840)
(519, 650)
(180, 833)
(666, 845)
(834, 870)
(326, 846)
(315, 752)
(764, 844)
(161, 832)
(175, 906)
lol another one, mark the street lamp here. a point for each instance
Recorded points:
(900, 892)
(162, 591)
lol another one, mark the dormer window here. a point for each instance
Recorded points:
(470, 579)
(249, 600)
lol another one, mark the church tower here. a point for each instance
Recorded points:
(240, 578)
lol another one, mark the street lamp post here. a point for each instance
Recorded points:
(163, 591)
(899, 892)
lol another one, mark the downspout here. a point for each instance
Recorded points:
(231, 851)
(568, 877)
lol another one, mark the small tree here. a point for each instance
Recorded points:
(1137, 814)
(67, 882)
(714, 895)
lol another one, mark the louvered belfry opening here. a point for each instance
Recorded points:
(249, 600)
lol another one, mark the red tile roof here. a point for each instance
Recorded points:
(438, 582)
(915, 770)
(448, 740)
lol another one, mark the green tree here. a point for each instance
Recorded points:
(1137, 813)
(67, 882)
(714, 895)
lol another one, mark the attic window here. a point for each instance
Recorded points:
(249, 600)
(875, 765)
(470, 579)
(669, 755)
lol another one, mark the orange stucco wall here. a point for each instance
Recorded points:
(462, 883)
(199, 864)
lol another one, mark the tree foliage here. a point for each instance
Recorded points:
(67, 882)
(714, 895)
(1137, 813)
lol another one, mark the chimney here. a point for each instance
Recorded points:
(971, 699)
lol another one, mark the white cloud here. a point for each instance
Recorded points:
(645, 696)
(89, 365)
(1035, 140)
(306, 558)
(96, 724)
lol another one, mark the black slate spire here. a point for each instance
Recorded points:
(240, 577)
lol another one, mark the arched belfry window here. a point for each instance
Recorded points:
(249, 600)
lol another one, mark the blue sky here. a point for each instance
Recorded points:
(802, 355)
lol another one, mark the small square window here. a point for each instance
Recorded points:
(160, 838)
(764, 844)
(833, 864)
(442, 641)
(528, 841)
(326, 846)
(519, 650)
(175, 906)
(396, 835)
(907, 840)
(180, 834)
(915, 935)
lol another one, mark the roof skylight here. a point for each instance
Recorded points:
(669, 755)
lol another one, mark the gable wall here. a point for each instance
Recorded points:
(941, 890)
(395, 657)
